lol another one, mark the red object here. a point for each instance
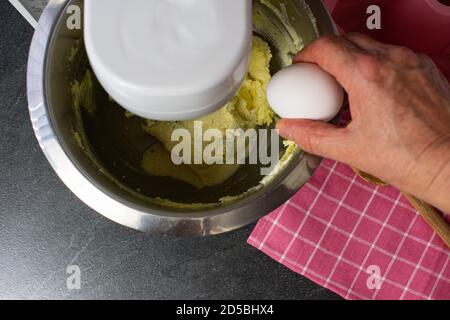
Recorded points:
(421, 25)
(338, 229)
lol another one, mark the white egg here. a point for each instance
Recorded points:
(305, 91)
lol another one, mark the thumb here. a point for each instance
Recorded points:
(316, 137)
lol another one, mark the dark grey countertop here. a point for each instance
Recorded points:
(44, 228)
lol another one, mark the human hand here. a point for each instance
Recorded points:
(400, 106)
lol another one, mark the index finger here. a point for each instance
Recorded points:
(334, 54)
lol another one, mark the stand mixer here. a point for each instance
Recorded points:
(179, 60)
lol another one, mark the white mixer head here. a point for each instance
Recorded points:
(172, 59)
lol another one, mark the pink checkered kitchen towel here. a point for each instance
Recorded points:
(359, 240)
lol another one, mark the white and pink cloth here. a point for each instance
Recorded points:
(339, 231)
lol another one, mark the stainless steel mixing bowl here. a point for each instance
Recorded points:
(109, 180)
